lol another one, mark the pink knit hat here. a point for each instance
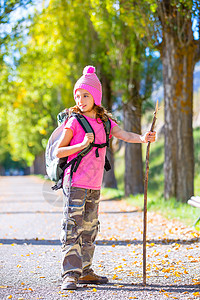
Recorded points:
(90, 82)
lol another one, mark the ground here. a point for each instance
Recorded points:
(30, 249)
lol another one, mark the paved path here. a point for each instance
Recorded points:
(30, 249)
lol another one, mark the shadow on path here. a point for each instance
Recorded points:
(15, 201)
(60, 212)
(98, 242)
(139, 242)
(117, 198)
(36, 242)
(148, 288)
(29, 212)
(121, 212)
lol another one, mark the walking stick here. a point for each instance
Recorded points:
(145, 197)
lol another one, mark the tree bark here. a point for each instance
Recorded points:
(178, 66)
(39, 164)
(133, 152)
(109, 179)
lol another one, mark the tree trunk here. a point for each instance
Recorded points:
(178, 66)
(39, 164)
(133, 152)
(109, 179)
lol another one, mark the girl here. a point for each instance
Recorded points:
(80, 221)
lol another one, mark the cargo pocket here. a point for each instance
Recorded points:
(68, 230)
(95, 231)
(98, 226)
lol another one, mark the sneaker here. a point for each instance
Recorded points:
(69, 283)
(91, 277)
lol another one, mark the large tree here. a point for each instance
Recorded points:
(170, 26)
(179, 55)
(179, 52)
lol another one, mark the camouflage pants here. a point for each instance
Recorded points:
(79, 229)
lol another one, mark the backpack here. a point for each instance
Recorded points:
(55, 166)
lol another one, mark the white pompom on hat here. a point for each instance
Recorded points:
(90, 82)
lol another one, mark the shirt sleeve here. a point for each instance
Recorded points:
(71, 124)
(113, 124)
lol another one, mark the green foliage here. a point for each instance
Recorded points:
(9, 31)
(156, 17)
(41, 83)
(125, 48)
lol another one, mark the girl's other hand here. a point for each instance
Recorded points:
(89, 138)
(149, 137)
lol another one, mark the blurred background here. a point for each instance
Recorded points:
(143, 52)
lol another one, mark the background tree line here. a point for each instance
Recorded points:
(44, 54)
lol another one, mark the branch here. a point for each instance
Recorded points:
(145, 198)
(7, 9)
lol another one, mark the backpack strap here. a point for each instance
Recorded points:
(107, 126)
(74, 163)
(84, 123)
(88, 129)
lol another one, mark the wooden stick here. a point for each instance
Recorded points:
(145, 197)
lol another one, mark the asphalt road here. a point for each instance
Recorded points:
(30, 253)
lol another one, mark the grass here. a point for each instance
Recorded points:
(156, 202)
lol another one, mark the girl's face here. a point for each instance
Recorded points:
(84, 100)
